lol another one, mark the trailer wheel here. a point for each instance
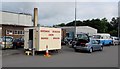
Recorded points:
(56, 51)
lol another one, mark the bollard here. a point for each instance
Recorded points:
(47, 52)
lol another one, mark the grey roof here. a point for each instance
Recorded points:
(78, 27)
(17, 13)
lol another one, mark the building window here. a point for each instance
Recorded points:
(15, 32)
(20, 32)
(9, 32)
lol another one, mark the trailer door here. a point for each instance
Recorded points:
(30, 38)
(26, 38)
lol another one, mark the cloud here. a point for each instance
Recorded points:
(84, 11)
(60, 0)
(0, 5)
(97, 10)
(51, 13)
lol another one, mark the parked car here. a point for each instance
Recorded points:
(6, 42)
(18, 43)
(63, 42)
(81, 36)
(115, 40)
(68, 41)
(92, 45)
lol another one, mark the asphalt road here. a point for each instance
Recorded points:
(65, 58)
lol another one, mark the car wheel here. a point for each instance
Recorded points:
(72, 46)
(110, 43)
(4, 48)
(103, 44)
(91, 50)
(14, 47)
(76, 50)
(101, 48)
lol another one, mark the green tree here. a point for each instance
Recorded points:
(61, 25)
(114, 22)
(102, 25)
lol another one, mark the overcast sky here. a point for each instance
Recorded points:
(51, 13)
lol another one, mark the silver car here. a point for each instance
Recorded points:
(91, 46)
(115, 40)
(6, 42)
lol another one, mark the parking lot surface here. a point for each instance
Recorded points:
(65, 58)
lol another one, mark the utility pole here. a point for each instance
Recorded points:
(5, 38)
(119, 20)
(75, 20)
(118, 27)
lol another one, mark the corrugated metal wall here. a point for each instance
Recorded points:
(86, 29)
(16, 19)
(83, 29)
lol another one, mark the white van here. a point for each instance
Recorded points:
(105, 39)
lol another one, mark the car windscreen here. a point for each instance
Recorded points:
(116, 38)
(95, 41)
(7, 39)
(82, 36)
(96, 36)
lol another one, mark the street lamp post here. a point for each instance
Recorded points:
(75, 21)
(118, 27)
(5, 38)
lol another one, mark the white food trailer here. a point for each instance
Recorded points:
(39, 37)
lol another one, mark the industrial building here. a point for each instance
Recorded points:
(79, 29)
(13, 24)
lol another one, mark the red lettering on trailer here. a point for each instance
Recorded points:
(44, 38)
(56, 38)
(50, 34)
(45, 31)
(56, 31)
